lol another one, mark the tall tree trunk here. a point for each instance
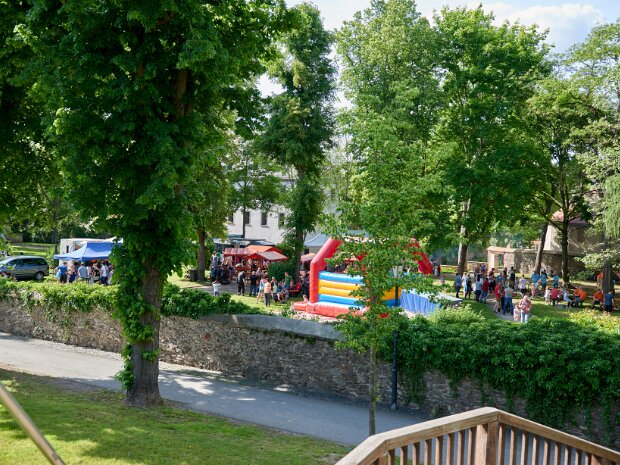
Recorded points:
(541, 248)
(463, 244)
(243, 223)
(299, 249)
(462, 256)
(608, 279)
(543, 235)
(55, 237)
(144, 391)
(202, 256)
(372, 392)
(564, 243)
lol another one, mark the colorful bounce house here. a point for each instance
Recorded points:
(330, 293)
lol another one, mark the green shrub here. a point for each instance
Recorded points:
(277, 269)
(194, 303)
(558, 366)
(59, 301)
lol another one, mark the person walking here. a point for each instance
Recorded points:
(485, 290)
(478, 288)
(508, 307)
(458, 283)
(468, 287)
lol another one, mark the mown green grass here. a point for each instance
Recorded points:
(95, 427)
(31, 248)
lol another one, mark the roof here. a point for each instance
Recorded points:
(270, 256)
(307, 257)
(317, 240)
(263, 248)
(235, 251)
(578, 221)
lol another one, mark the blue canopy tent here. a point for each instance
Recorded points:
(89, 251)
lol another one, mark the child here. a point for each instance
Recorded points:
(499, 298)
(216, 288)
(548, 295)
(525, 307)
(261, 291)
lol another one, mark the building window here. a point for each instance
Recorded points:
(281, 220)
(231, 218)
(263, 218)
(246, 218)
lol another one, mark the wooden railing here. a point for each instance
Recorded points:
(485, 436)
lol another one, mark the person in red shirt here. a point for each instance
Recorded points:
(555, 295)
(499, 298)
(597, 299)
(485, 290)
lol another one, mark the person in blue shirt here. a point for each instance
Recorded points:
(609, 302)
(556, 280)
(62, 272)
(543, 280)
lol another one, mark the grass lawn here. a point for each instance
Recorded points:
(540, 308)
(31, 248)
(94, 427)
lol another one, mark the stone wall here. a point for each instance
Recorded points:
(299, 355)
(523, 260)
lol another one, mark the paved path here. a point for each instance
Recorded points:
(204, 391)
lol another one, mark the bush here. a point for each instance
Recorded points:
(60, 300)
(194, 303)
(277, 269)
(558, 366)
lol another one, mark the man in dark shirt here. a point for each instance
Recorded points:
(253, 284)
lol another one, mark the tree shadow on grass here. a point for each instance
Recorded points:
(95, 427)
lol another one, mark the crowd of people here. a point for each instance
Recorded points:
(504, 285)
(91, 272)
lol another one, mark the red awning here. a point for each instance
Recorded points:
(269, 256)
(263, 248)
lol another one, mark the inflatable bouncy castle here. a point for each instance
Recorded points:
(331, 293)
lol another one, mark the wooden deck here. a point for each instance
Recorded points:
(485, 436)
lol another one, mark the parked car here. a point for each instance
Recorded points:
(25, 267)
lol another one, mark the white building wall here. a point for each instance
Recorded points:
(272, 232)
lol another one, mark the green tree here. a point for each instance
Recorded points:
(208, 193)
(488, 73)
(387, 55)
(595, 71)
(21, 164)
(300, 126)
(556, 111)
(256, 183)
(134, 90)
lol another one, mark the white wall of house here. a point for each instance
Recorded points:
(259, 225)
(579, 240)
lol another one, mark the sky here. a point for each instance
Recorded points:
(568, 22)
